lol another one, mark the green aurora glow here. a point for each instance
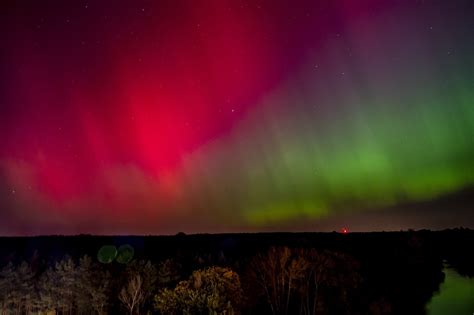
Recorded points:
(283, 162)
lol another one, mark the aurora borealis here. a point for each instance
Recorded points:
(156, 117)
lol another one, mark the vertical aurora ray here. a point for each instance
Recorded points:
(322, 145)
(290, 167)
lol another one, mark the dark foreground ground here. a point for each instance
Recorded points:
(270, 273)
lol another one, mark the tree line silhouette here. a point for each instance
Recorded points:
(306, 274)
(286, 277)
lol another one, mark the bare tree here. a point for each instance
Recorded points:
(133, 295)
(327, 271)
(278, 272)
(148, 274)
(304, 277)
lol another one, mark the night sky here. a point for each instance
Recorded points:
(151, 117)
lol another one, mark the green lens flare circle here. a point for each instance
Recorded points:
(125, 254)
(107, 254)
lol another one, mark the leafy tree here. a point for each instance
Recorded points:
(100, 291)
(68, 288)
(25, 287)
(93, 287)
(214, 290)
(17, 289)
(7, 286)
(66, 276)
(58, 289)
(48, 295)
